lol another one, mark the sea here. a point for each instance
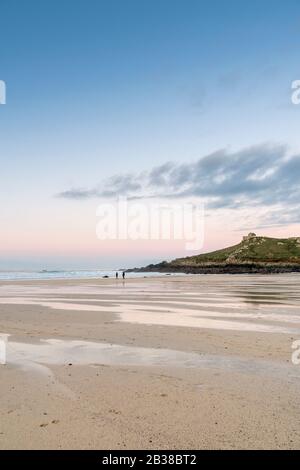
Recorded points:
(75, 274)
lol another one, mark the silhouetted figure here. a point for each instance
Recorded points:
(117, 275)
(123, 274)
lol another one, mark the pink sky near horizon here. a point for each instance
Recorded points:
(79, 242)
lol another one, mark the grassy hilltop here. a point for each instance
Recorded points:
(252, 254)
(252, 249)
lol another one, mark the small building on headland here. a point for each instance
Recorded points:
(249, 236)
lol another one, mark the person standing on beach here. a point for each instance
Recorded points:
(117, 275)
(123, 274)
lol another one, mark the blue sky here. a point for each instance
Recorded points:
(103, 88)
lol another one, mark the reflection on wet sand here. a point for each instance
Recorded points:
(246, 303)
(65, 352)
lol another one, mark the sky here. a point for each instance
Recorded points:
(169, 101)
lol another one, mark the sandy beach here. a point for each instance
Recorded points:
(185, 362)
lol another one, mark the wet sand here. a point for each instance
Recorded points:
(159, 363)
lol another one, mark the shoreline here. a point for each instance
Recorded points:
(243, 268)
(148, 275)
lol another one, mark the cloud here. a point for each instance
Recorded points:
(261, 175)
(280, 217)
(77, 193)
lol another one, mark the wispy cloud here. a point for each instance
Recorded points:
(260, 175)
